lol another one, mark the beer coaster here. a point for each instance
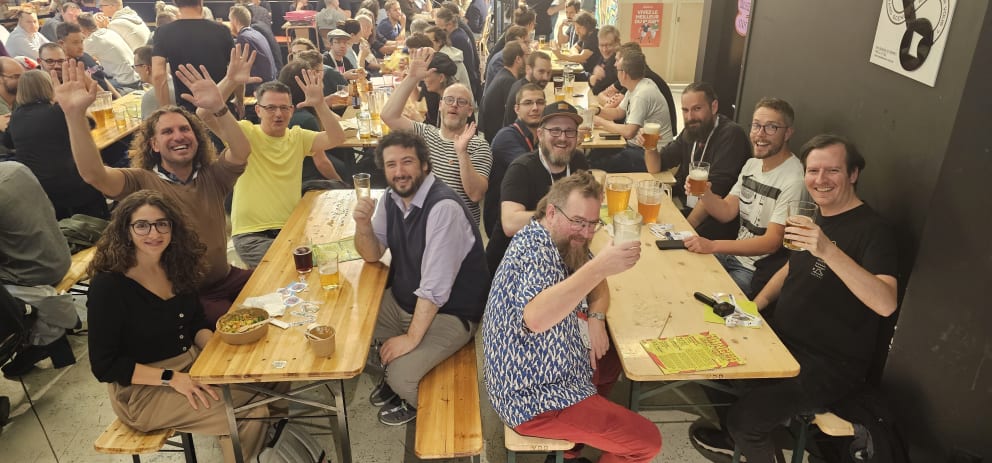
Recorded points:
(291, 301)
(310, 307)
(297, 287)
(285, 292)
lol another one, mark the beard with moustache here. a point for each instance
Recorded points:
(574, 257)
(697, 133)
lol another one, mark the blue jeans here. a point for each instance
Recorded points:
(741, 274)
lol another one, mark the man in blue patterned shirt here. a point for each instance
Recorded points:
(544, 331)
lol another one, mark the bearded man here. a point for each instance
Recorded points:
(708, 137)
(549, 364)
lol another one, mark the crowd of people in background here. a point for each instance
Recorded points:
(474, 149)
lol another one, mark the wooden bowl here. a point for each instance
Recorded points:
(243, 317)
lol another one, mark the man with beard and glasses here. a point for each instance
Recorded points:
(537, 72)
(766, 185)
(549, 363)
(707, 137)
(497, 90)
(459, 158)
(511, 142)
(172, 153)
(438, 279)
(529, 177)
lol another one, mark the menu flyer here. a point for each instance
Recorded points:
(691, 353)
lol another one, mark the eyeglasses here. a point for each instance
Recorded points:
(452, 101)
(579, 224)
(133, 66)
(11, 76)
(52, 62)
(273, 108)
(556, 132)
(144, 227)
(769, 129)
(527, 103)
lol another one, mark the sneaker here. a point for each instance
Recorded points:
(712, 443)
(382, 394)
(397, 412)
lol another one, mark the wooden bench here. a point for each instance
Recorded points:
(515, 443)
(449, 422)
(828, 423)
(119, 439)
(77, 271)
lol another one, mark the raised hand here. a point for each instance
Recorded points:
(77, 91)
(205, 95)
(461, 143)
(239, 69)
(420, 59)
(312, 84)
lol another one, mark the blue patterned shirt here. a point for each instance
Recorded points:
(531, 373)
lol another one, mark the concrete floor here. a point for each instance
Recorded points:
(73, 409)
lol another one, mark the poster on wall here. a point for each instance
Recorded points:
(911, 36)
(645, 24)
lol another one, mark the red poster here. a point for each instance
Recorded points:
(645, 24)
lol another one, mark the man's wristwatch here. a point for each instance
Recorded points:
(166, 377)
(598, 316)
(222, 112)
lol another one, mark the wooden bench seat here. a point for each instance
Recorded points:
(449, 422)
(528, 444)
(77, 271)
(120, 438)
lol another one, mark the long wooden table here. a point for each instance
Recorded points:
(110, 134)
(285, 355)
(663, 283)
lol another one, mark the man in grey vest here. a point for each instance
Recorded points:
(438, 281)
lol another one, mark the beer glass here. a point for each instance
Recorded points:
(568, 82)
(651, 134)
(363, 185)
(802, 215)
(559, 94)
(542, 41)
(328, 269)
(303, 259)
(587, 124)
(102, 110)
(120, 118)
(617, 193)
(649, 193)
(626, 227)
(699, 174)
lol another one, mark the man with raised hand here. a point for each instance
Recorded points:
(459, 158)
(172, 153)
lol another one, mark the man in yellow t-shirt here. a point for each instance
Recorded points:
(269, 189)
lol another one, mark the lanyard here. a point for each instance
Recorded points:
(568, 168)
(692, 155)
(530, 144)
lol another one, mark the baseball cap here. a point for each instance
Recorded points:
(561, 108)
(443, 64)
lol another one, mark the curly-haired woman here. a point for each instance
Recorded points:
(147, 325)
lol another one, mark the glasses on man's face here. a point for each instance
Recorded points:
(557, 132)
(144, 227)
(11, 76)
(133, 66)
(769, 129)
(53, 62)
(452, 101)
(580, 224)
(272, 108)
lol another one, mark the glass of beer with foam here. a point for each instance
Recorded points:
(651, 134)
(617, 193)
(699, 174)
(802, 214)
(649, 193)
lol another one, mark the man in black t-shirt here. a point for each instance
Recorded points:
(188, 40)
(530, 176)
(830, 300)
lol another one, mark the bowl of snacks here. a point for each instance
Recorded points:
(243, 326)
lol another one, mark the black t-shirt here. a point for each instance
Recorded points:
(817, 313)
(494, 102)
(591, 42)
(197, 42)
(610, 73)
(526, 182)
(543, 20)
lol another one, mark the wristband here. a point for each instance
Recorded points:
(222, 112)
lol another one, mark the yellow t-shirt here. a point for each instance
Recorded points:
(269, 189)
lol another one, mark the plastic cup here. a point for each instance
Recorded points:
(363, 185)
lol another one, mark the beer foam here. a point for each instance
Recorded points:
(652, 127)
(699, 174)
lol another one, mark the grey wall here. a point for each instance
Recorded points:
(928, 172)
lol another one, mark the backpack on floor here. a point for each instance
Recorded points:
(82, 231)
(15, 326)
(291, 443)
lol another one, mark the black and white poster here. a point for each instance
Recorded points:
(910, 37)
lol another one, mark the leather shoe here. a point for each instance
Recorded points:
(59, 350)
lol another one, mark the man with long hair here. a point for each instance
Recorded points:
(172, 153)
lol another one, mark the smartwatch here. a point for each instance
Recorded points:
(166, 377)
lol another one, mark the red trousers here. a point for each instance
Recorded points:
(622, 435)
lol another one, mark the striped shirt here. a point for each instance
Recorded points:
(444, 162)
